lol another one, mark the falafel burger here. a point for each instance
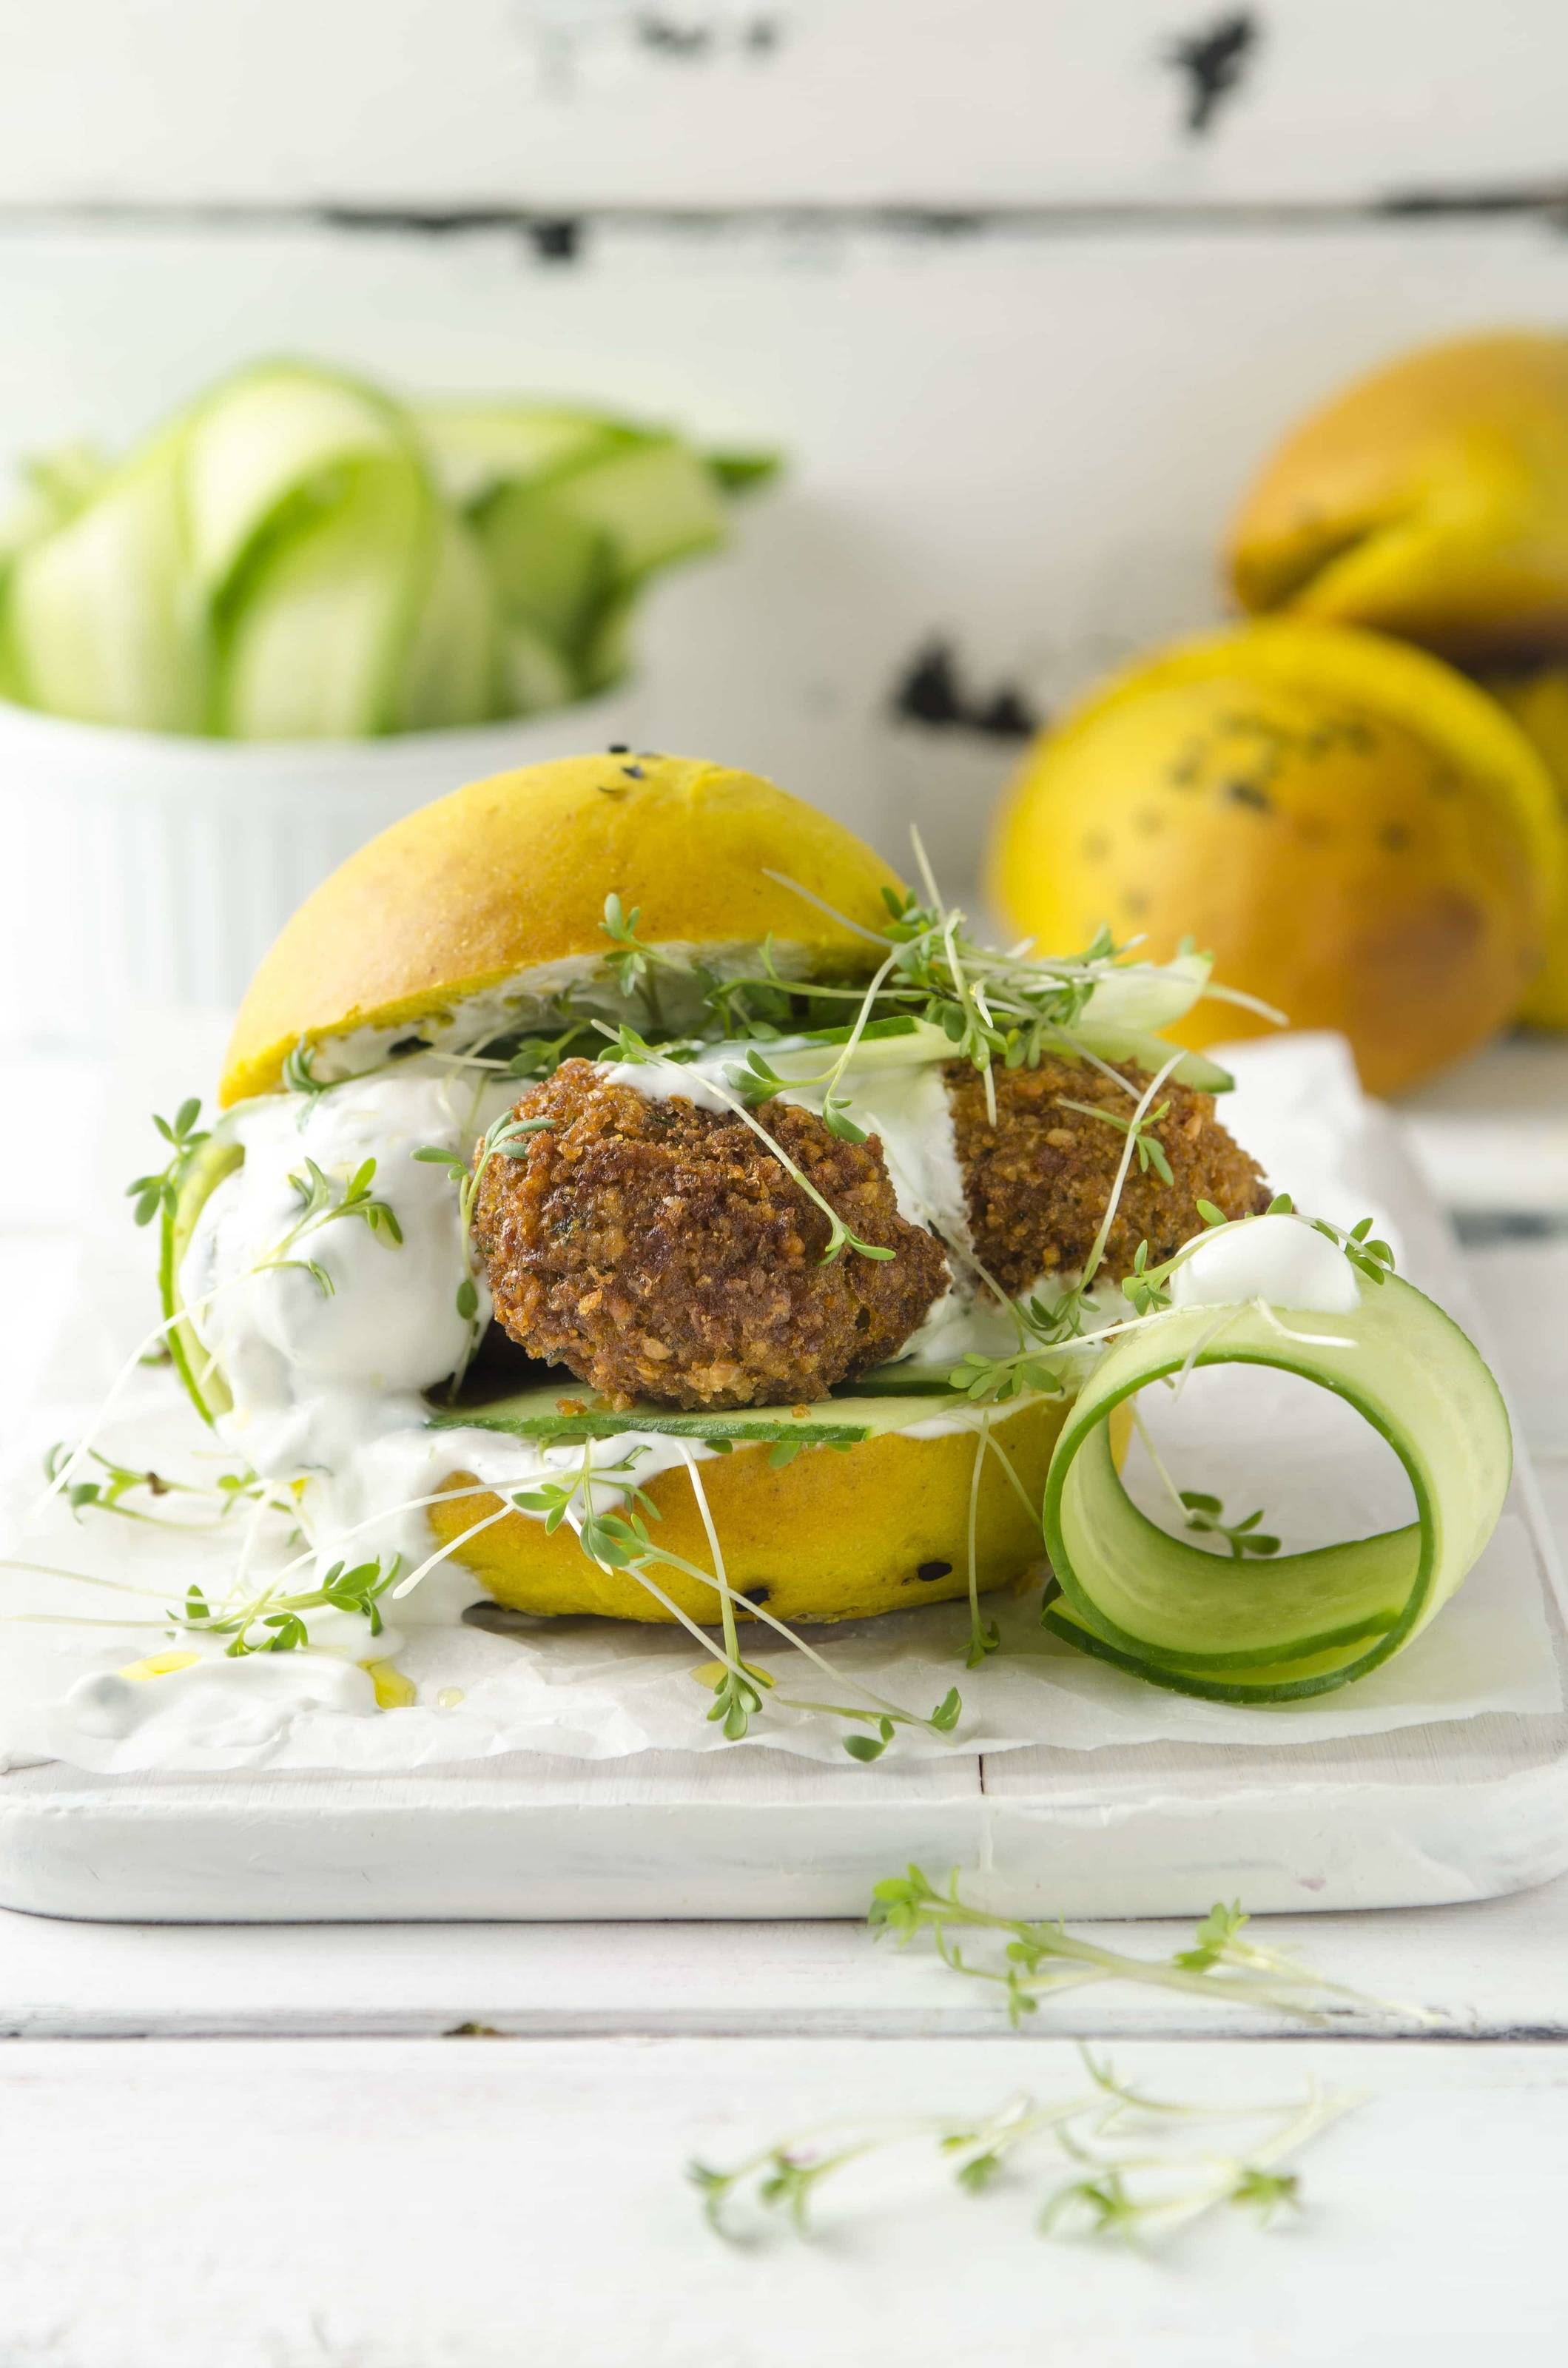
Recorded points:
(629, 1197)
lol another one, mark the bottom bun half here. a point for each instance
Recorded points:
(830, 1535)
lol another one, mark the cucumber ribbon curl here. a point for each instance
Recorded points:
(1303, 1623)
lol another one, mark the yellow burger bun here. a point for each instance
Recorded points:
(511, 875)
(1359, 836)
(830, 1536)
(1429, 499)
(1538, 701)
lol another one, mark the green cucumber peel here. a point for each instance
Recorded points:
(567, 1412)
(1303, 1624)
(1150, 1053)
(217, 1157)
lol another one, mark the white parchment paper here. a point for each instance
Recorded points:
(593, 1690)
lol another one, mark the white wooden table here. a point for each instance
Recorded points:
(290, 2145)
(1026, 334)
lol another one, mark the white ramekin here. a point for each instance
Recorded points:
(142, 867)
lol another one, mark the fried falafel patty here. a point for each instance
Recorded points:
(659, 1250)
(1037, 1182)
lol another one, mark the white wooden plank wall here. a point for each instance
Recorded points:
(1023, 331)
(485, 104)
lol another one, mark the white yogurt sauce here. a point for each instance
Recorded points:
(327, 1386)
(217, 1703)
(312, 1371)
(1282, 1260)
(531, 998)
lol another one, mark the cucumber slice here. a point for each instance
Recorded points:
(450, 675)
(55, 485)
(656, 500)
(475, 448)
(553, 571)
(912, 1379)
(875, 1032)
(315, 632)
(257, 444)
(1151, 1052)
(102, 620)
(834, 1422)
(1303, 1624)
(1147, 996)
(214, 1160)
(907, 1042)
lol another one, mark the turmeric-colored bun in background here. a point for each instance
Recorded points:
(1359, 836)
(1429, 499)
(1538, 703)
(510, 875)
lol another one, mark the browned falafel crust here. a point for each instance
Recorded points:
(1038, 1181)
(661, 1251)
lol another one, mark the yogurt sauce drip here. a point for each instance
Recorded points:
(327, 1387)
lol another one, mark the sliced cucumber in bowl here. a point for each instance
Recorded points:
(316, 643)
(101, 619)
(268, 440)
(552, 572)
(298, 556)
(476, 448)
(656, 502)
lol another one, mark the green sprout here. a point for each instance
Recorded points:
(1150, 1150)
(155, 1193)
(1036, 1960)
(1244, 1538)
(323, 1201)
(283, 1618)
(107, 1492)
(1140, 2165)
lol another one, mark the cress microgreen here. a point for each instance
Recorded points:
(118, 1481)
(635, 964)
(1149, 1149)
(618, 1537)
(300, 1071)
(1037, 1960)
(270, 1623)
(1369, 1257)
(1137, 2164)
(325, 1200)
(1207, 1514)
(184, 1136)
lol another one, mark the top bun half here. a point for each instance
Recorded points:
(510, 875)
